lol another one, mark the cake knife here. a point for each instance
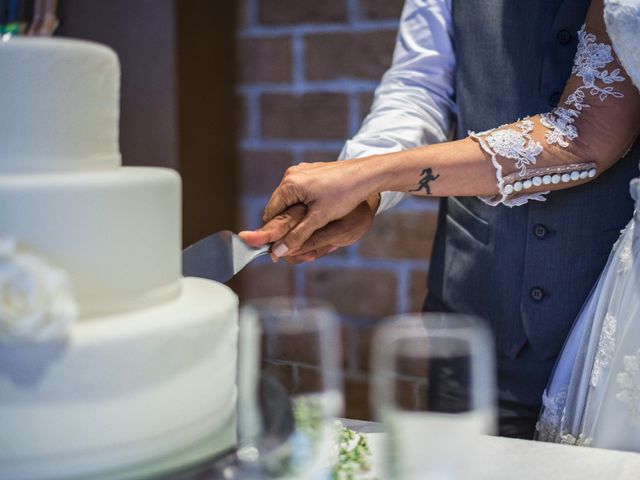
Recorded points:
(219, 256)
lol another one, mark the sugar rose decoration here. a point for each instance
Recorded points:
(36, 299)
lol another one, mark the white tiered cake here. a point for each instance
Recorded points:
(148, 370)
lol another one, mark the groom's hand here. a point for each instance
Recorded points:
(339, 233)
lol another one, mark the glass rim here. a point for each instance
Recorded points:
(428, 327)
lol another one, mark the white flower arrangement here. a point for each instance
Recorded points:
(36, 299)
(354, 456)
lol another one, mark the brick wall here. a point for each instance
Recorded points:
(307, 71)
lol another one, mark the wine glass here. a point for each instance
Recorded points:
(434, 390)
(290, 388)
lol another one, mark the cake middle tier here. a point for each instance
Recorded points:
(117, 233)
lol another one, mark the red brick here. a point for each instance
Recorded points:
(353, 291)
(279, 12)
(265, 60)
(296, 348)
(405, 235)
(361, 340)
(415, 366)
(263, 170)
(312, 380)
(421, 396)
(417, 289)
(409, 394)
(347, 346)
(405, 396)
(314, 116)
(312, 156)
(357, 399)
(366, 100)
(360, 337)
(266, 280)
(354, 55)
(309, 380)
(380, 9)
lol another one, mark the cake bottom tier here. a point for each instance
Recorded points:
(124, 391)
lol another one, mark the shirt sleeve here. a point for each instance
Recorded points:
(413, 105)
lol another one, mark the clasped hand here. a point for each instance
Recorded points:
(316, 209)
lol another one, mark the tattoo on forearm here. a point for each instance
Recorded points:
(426, 177)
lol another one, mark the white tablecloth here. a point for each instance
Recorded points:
(505, 458)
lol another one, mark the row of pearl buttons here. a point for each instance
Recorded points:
(549, 180)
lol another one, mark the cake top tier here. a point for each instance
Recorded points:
(60, 106)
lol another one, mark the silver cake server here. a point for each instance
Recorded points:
(219, 256)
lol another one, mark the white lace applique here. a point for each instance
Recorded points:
(606, 346)
(590, 60)
(560, 125)
(629, 384)
(580, 441)
(516, 145)
(625, 259)
(551, 425)
(513, 144)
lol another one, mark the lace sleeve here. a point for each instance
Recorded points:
(593, 126)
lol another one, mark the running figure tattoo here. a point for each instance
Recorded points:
(427, 176)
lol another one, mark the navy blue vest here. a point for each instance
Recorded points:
(526, 270)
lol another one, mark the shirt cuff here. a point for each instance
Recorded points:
(388, 200)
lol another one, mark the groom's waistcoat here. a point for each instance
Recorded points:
(527, 270)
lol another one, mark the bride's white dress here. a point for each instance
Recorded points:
(593, 398)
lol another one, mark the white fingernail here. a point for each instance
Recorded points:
(280, 250)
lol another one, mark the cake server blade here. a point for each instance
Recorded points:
(219, 256)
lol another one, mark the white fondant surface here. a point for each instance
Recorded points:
(116, 233)
(60, 106)
(124, 390)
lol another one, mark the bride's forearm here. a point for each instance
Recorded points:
(452, 168)
(512, 162)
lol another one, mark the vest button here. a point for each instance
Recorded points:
(563, 36)
(554, 99)
(537, 294)
(540, 231)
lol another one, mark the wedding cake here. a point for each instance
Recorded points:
(110, 361)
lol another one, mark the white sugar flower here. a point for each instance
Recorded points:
(36, 301)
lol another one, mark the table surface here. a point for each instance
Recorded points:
(506, 458)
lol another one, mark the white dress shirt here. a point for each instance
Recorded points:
(413, 105)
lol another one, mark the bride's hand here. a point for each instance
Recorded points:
(337, 234)
(329, 190)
